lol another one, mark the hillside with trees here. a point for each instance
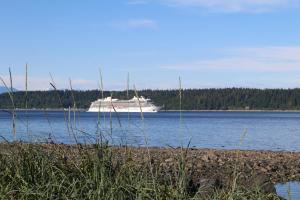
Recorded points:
(4, 89)
(193, 99)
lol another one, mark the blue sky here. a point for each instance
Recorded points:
(209, 43)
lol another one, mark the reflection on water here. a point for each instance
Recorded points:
(221, 130)
(290, 190)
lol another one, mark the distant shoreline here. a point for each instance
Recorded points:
(47, 109)
(84, 110)
(231, 111)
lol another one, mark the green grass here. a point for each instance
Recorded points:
(32, 171)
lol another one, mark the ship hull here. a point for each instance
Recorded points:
(123, 110)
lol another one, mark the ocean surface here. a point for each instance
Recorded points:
(220, 130)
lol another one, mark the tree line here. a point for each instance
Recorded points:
(192, 99)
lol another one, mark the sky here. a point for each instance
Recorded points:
(208, 43)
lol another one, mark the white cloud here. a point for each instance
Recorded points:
(136, 23)
(235, 5)
(251, 59)
(137, 2)
(143, 23)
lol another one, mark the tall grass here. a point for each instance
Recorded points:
(29, 171)
(98, 170)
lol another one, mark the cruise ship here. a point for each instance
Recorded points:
(115, 105)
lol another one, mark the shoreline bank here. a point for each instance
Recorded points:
(277, 166)
(231, 111)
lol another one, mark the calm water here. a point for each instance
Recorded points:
(290, 191)
(265, 130)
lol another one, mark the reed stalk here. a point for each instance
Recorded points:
(52, 83)
(235, 170)
(11, 97)
(73, 127)
(26, 99)
(102, 95)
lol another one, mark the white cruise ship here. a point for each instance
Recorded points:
(132, 105)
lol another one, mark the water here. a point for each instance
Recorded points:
(290, 191)
(221, 130)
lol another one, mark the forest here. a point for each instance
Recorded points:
(192, 99)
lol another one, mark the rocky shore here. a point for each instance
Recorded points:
(219, 168)
(278, 166)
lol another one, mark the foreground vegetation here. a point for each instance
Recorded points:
(30, 171)
(193, 99)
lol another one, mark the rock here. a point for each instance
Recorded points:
(205, 158)
(260, 181)
(206, 187)
(169, 160)
(263, 170)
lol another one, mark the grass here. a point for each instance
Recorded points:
(98, 171)
(33, 171)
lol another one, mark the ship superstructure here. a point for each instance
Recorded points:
(135, 104)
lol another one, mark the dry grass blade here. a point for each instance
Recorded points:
(14, 112)
(127, 86)
(128, 105)
(115, 111)
(110, 119)
(11, 80)
(102, 96)
(180, 112)
(235, 170)
(26, 98)
(60, 101)
(140, 106)
(127, 93)
(53, 86)
(98, 131)
(49, 123)
(101, 83)
(74, 102)
(73, 127)
(243, 137)
(146, 141)
(10, 93)
(72, 93)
